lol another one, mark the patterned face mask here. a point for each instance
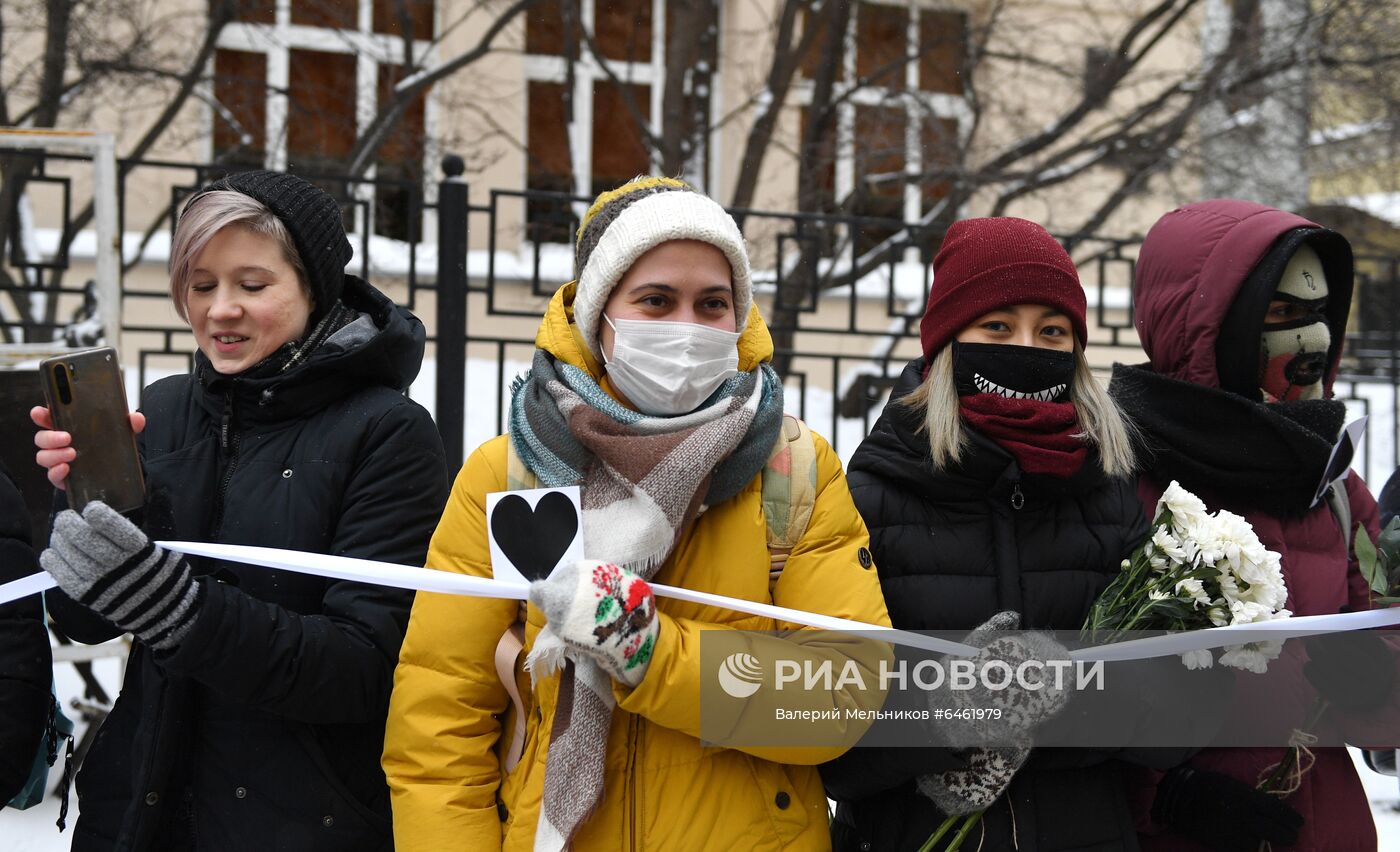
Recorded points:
(1293, 350)
(1013, 372)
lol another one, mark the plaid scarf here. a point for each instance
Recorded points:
(644, 479)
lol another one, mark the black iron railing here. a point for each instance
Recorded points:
(843, 294)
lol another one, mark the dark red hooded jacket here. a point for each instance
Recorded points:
(1193, 266)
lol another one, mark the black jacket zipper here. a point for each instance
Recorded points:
(1008, 555)
(228, 444)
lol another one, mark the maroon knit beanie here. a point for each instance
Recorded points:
(986, 264)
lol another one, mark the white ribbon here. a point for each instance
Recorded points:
(446, 582)
(1277, 630)
(26, 586)
(450, 583)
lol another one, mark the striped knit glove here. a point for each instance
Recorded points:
(604, 611)
(106, 563)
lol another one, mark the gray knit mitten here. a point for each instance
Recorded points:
(106, 563)
(962, 791)
(1005, 717)
(997, 723)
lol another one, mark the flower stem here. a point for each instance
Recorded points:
(938, 835)
(953, 845)
(956, 842)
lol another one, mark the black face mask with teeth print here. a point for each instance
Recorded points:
(1013, 372)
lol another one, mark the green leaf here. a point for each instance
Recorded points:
(1388, 545)
(1172, 608)
(1366, 560)
(1386, 600)
(608, 609)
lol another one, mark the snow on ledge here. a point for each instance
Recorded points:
(394, 258)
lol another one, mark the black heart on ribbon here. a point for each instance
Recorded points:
(534, 539)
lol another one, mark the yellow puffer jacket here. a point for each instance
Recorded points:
(663, 789)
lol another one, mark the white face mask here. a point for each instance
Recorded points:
(669, 368)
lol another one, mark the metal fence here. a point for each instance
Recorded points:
(842, 294)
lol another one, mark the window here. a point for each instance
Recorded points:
(295, 83)
(942, 51)
(550, 27)
(331, 14)
(898, 115)
(240, 128)
(322, 109)
(938, 141)
(619, 149)
(549, 165)
(255, 11)
(609, 97)
(413, 18)
(623, 29)
(879, 164)
(400, 159)
(882, 38)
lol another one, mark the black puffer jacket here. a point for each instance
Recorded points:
(953, 548)
(263, 729)
(26, 664)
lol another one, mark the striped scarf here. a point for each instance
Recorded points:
(643, 480)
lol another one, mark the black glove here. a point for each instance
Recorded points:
(1222, 813)
(1354, 670)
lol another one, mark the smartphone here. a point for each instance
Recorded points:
(87, 395)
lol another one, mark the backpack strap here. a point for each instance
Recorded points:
(511, 645)
(789, 492)
(518, 476)
(508, 652)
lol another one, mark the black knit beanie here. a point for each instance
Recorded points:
(313, 219)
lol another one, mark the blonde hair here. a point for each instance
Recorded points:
(1103, 423)
(207, 215)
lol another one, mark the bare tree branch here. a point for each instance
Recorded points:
(221, 13)
(683, 42)
(409, 88)
(4, 97)
(787, 58)
(1124, 59)
(15, 170)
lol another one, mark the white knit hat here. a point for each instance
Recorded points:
(626, 223)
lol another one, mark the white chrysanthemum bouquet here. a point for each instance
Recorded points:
(1194, 570)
